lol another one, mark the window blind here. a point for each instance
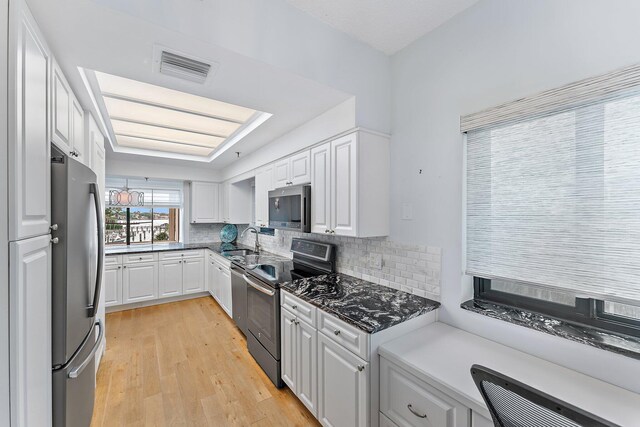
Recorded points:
(554, 199)
(157, 193)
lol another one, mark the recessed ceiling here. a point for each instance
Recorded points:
(386, 25)
(158, 121)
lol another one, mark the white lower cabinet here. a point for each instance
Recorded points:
(219, 281)
(30, 331)
(112, 284)
(288, 349)
(193, 275)
(170, 278)
(408, 401)
(139, 282)
(342, 386)
(478, 420)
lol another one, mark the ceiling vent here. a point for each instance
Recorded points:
(182, 67)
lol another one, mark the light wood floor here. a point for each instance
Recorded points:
(186, 364)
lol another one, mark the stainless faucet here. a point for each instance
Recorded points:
(255, 230)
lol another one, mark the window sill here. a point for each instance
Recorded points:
(618, 343)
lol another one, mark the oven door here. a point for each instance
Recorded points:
(263, 314)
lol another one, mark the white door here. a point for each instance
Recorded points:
(343, 186)
(321, 189)
(225, 292)
(61, 127)
(139, 282)
(30, 332)
(211, 276)
(170, 278)
(263, 186)
(300, 168)
(281, 173)
(204, 202)
(224, 202)
(288, 348)
(29, 147)
(306, 365)
(112, 280)
(193, 275)
(342, 386)
(77, 129)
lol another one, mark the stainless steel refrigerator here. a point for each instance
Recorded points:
(77, 234)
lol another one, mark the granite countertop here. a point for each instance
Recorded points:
(217, 247)
(611, 341)
(365, 305)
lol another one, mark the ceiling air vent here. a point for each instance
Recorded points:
(183, 67)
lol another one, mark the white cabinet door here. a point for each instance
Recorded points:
(264, 179)
(30, 332)
(61, 125)
(343, 185)
(225, 290)
(170, 278)
(205, 202)
(112, 280)
(139, 282)
(29, 147)
(193, 275)
(306, 365)
(321, 188)
(224, 202)
(212, 271)
(300, 168)
(288, 348)
(77, 131)
(342, 386)
(281, 173)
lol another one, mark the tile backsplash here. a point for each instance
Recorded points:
(204, 233)
(411, 268)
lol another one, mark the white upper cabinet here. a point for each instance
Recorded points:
(29, 147)
(293, 170)
(263, 184)
(237, 202)
(205, 202)
(350, 186)
(61, 127)
(79, 150)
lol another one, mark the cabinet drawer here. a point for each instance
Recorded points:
(408, 401)
(182, 254)
(302, 309)
(148, 257)
(386, 422)
(344, 334)
(112, 260)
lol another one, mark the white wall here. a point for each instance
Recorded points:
(495, 52)
(156, 168)
(332, 122)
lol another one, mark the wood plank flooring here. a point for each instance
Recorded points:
(186, 364)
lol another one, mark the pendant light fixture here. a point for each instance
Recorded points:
(126, 197)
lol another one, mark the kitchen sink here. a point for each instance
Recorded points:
(240, 252)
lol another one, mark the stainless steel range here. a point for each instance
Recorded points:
(263, 298)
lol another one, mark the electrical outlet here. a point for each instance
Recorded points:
(375, 261)
(407, 212)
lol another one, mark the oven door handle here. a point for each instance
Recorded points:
(257, 287)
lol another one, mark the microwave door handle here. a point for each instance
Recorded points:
(93, 308)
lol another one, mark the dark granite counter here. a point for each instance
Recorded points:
(365, 305)
(611, 341)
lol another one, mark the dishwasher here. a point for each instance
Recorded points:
(239, 298)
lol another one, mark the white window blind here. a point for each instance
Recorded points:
(554, 200)
(157, 193)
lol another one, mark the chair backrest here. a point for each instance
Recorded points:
(513, 404)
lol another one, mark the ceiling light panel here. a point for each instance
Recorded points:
(164, 134)
(150, 144)
(131, 89)
(148, 114)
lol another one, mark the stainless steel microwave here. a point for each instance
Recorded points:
(290, 208)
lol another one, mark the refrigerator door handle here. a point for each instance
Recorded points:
(93, 308)
(75, 372)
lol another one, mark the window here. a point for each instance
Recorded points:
(157, 221)
(553, 204)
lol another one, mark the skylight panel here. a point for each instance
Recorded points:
(131, 89)
(151, 144)
(123, 128)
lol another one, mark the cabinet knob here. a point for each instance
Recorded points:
(360, 368)
(179, 262)
(333, 231)
(55, 240)
(326, 231)
(140, 258)
(413, 411)
(297, 322)
(336, 332)
(124, 266)
(294, 307)
(53, 227)
(119, 267)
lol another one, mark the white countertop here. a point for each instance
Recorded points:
(442, 356)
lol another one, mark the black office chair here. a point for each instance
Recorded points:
(513, 404)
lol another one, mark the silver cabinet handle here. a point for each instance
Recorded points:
(53, 227)
(413, 411)
(337, 332)
(55, 240)
(360, 368)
